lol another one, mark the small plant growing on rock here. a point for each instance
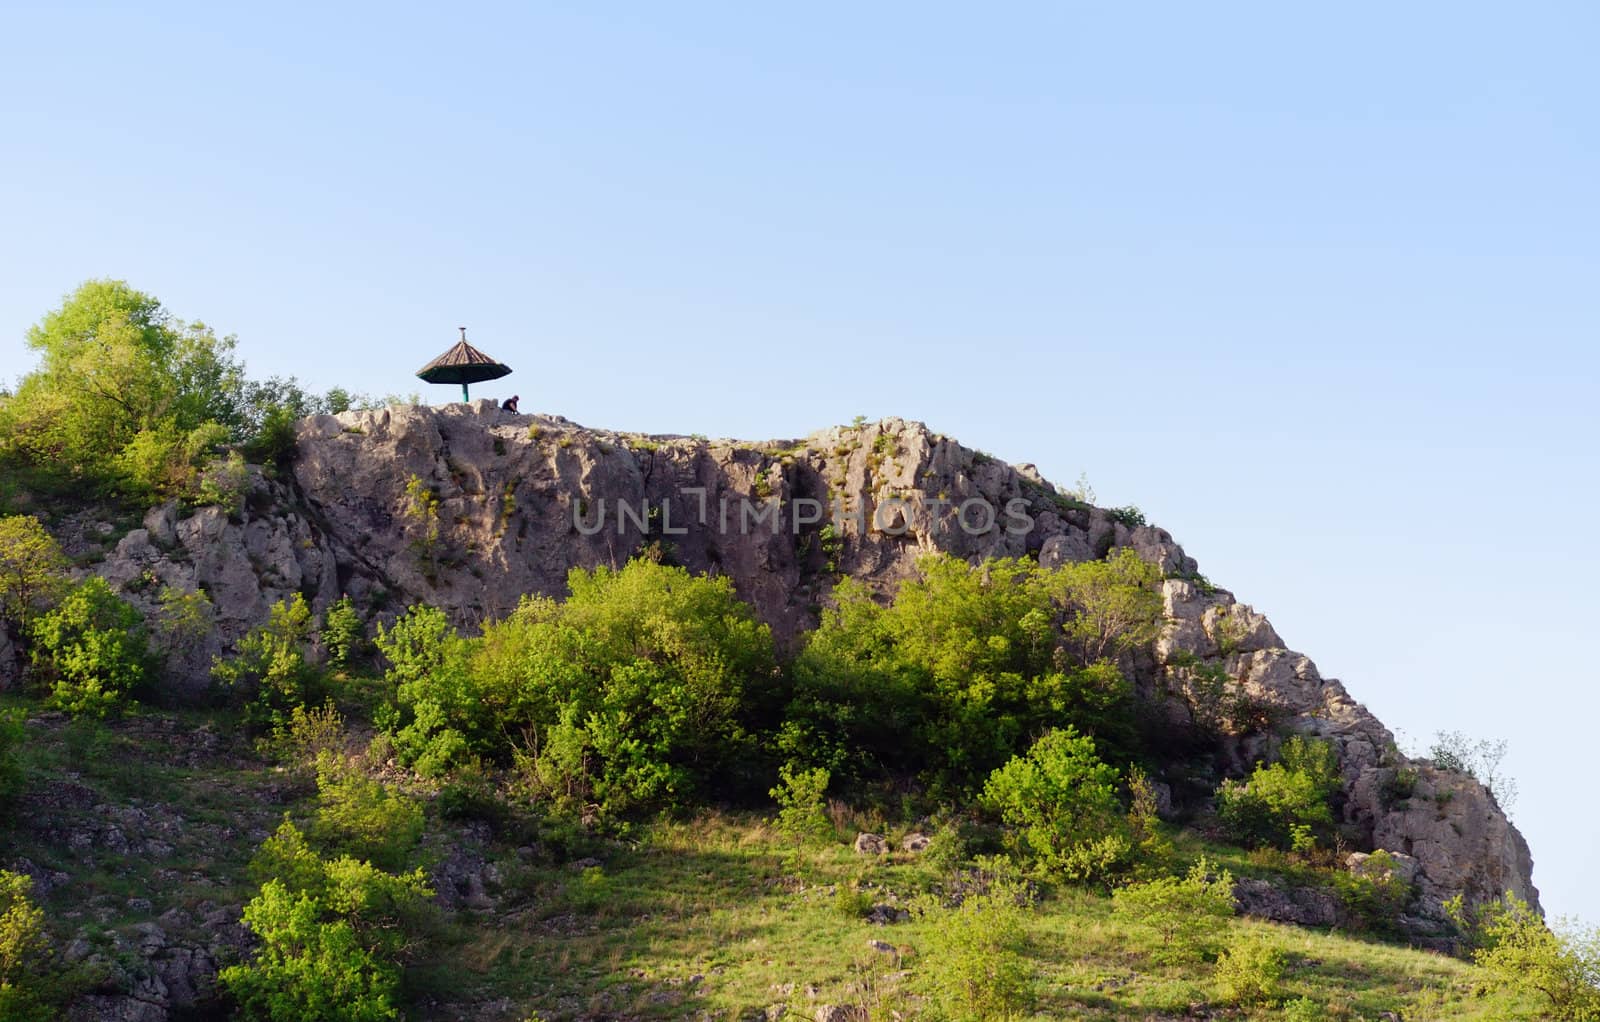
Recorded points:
(1130, 516)
(421, 508)
(1479, 759)
(184, 620)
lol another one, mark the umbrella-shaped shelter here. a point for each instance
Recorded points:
(463, 364)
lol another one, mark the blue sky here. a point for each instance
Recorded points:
(1315, 289)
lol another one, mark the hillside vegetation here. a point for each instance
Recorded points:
(990, 794)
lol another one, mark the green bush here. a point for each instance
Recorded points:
(851, 901)
(333, 935)
(442, 698)
(269, 669)
(1374, 893)
(343, 632)
(91, 649)
(24, 953)
(973, 960)
(33, 572)
(361, 816)
(1562, 965)
(274, 442)
(1061, 805)
(642, 690)
(950, 679)
(222, 483)
(184, 621)
(1187, 911)
(1248, 971)
(1284, 804)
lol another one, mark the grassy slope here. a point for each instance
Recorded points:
(715, 916)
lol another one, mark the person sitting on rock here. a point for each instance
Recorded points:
(510, 403)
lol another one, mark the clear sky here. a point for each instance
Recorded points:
(1317, 289)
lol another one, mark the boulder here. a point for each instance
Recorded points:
(870, 844)
(1303, 906)
(915, 841)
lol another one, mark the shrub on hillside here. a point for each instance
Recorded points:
(1375, 893)
(33, 572)
(91, 649)
(966, 662)
(1187, 911)
(1248, 971)
(1285, 804)
(802, 809)
(24, 953)
(343, 632)
(269, 669)
(641, 690)
(1520, 951)
(361, 816)
(972, 959)
(1060, 802)
(12, 732)
(333, 935)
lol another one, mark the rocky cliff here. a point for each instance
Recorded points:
(468, 508)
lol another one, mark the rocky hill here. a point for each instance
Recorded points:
(468, 508)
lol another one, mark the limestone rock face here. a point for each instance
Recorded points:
(1449, 824)
(243, 563)
(469, 507)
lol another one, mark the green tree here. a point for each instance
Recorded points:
(33, 571)
(1061, 805)
(1521, 952)
(802, 811)
(115, 364)
(1112, 606)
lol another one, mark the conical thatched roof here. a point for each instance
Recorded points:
(463, 364)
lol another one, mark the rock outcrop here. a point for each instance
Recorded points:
(469, 508)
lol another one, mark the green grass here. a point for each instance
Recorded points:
(718, 916)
